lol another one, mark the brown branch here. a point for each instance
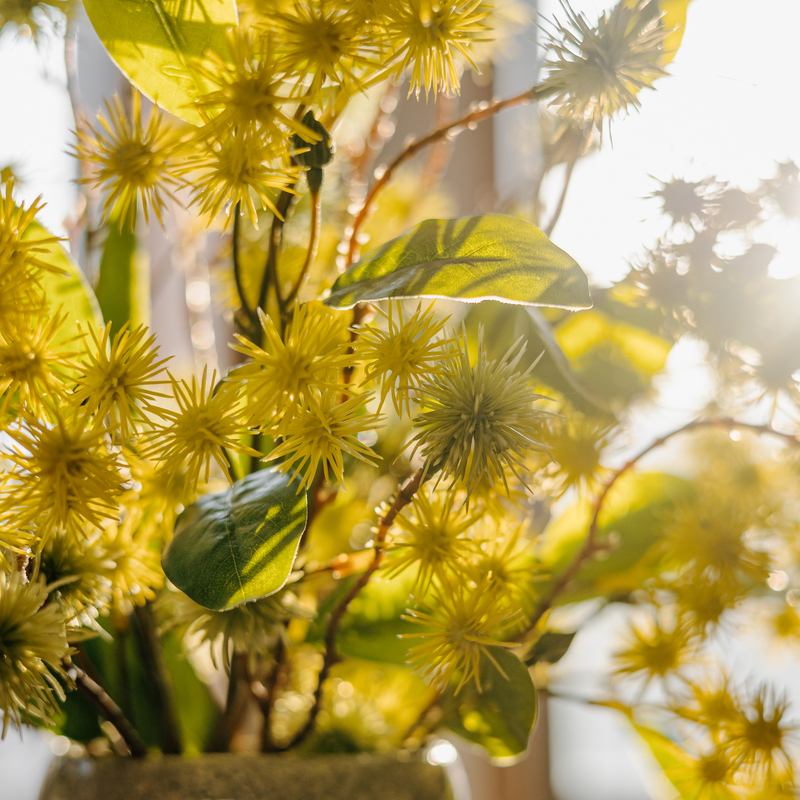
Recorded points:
(482, 112)
(591, 545)
(402, 498)
(101, 700)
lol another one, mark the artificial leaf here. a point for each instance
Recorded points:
(240, 544)
(159, 44)
(123, 286)
(550, 647)
(487, 257)
(499, 718)
(69, 290)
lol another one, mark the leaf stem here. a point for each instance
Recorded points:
(249, 313)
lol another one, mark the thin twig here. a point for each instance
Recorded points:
(274, 686)
(402, 498)
(311, 252)
(275, 236)
(100, 699)
(235, 705)
(562, 198)
(591, 546)
(482, 112)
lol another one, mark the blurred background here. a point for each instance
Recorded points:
(725, 111)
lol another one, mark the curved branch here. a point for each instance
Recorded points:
(482, 112)
(402, 499)
(591, 545)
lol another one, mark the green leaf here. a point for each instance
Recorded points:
(123, 287)
(70, 290)
(551, 647)
(502, 716)
(676, 764)
(159, 44)
(488, 257)
(240, 544)
(633, 519)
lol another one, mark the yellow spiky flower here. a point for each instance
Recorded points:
(479, 420)
(248, 96)
(596, 71)
(236, 167)
(33, 642)
(403, 356)
(431, 537)
(287, 372)
(34, 364)
(465, 623)
(66, 471)
(117, 376)
(325, 40)
(205, 423)
(128, 162)
(763, 738)
(655, 649)
(323, 433)
(430, 37)
(21, 262)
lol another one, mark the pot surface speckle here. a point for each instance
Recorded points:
(233, 777)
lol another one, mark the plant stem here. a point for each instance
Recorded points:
(268, 703)
(313, 242)
(275, 236)
(482, 112)
(591, 546)
(562, 198)
(403, 497)
(153, 656)
(249, 313)
(235, 704)
(110, 710)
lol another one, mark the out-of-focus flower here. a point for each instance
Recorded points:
(597, 71)
(33, 642)
(129, 163)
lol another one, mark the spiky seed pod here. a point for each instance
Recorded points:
(479, 420)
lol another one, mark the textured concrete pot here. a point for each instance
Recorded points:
(232, 777)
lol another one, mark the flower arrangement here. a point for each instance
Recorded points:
(353, 529)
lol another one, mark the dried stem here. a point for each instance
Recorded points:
(591, 546)
(402, 498)
(100, 699)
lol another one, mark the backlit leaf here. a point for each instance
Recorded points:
(159, 43)
(488, 257)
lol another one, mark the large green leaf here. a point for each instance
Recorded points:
(240, 544)
(488, 257)
(69, 290)
(501, 717)
(159, 44)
